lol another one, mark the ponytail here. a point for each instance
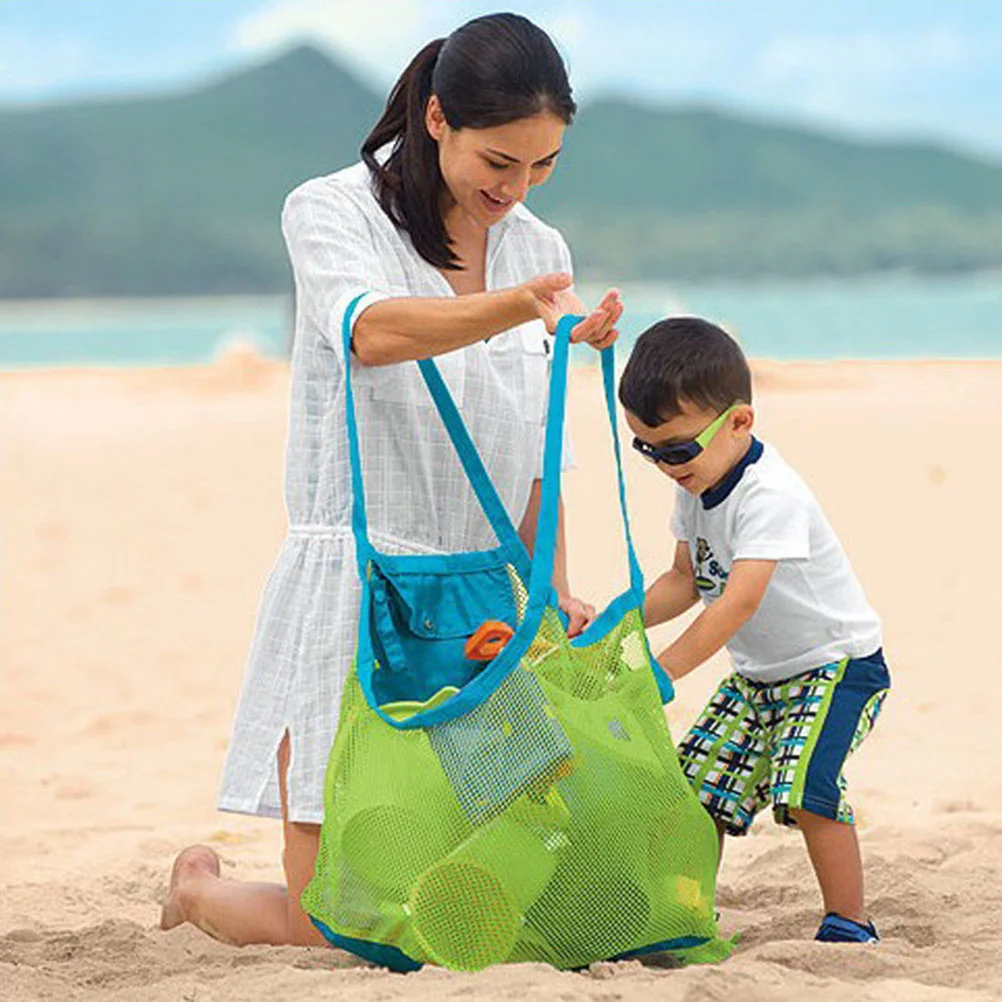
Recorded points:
(493, 70)
(409, 182)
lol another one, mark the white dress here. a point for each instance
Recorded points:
(418, 500)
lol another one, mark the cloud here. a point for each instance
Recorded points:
(37, 64)
(866, 70)
(379, 37)
(796, 57)
(857, 63)
(865, 80)
(376, 37)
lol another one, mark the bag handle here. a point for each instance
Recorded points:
(541, 569)
(546, 530)
(359, 522)
(609, 386)
(497, 516)
(483, 488)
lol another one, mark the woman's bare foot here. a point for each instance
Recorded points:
(192, 863)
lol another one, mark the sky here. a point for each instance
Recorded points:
(929, 69)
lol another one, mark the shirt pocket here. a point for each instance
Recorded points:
(402, 382)
(521, 359)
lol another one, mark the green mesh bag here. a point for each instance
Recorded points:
(528, 809)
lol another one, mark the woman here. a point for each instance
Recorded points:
(432, 228)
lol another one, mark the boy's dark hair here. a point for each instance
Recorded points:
(684, 358)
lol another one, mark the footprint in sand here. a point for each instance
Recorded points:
(13, 739)
(51, 530)
(111, 723)
(918, 935)
(74, 789)
(117, 595)
(957, 807)
(224, 837)
(51, 535)
(200, 500)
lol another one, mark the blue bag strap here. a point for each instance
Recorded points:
(359, 523)
(469, 458)
(483, 488)
(546, 530)
(609, 385)
(541, 577)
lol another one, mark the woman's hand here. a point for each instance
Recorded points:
(553, 298)
(579, 613)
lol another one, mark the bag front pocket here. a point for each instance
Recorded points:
(421, 621)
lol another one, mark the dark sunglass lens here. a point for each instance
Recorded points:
(645, 449)
(681, 454)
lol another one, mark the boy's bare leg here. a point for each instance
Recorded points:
(241, 913)
(834, 852)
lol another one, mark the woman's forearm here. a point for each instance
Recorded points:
(527, 527)
(527, 533)
(401, 330)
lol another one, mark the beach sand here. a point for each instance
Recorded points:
(141, 512)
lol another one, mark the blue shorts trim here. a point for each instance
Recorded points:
(862, 680)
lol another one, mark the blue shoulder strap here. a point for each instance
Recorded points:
(541, 577)
(480, 481)
(492, 505)
(359, 524)
(609, 385)
(546, 530)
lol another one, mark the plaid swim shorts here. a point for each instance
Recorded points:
(783, 743)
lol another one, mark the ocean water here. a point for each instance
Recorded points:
(879, 317)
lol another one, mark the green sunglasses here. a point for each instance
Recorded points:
(682, 452)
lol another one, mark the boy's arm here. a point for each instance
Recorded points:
(674, 592)
(716, 624)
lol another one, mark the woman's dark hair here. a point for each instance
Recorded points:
(493, 70)
(684, 358)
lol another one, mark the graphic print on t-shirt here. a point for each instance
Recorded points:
(710, 576)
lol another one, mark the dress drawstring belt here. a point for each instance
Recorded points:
(319, 530)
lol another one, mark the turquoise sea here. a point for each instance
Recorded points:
(878, 317)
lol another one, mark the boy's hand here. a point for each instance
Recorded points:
(580, 614)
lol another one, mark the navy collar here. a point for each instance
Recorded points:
(719, 494)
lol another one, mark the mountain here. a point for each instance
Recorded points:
(181, 193)
(175, 194)
(698, 193)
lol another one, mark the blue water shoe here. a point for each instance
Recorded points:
(835, 929)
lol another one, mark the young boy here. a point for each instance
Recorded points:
(778, 592)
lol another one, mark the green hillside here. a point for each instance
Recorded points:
(698, 193)
(180, 194)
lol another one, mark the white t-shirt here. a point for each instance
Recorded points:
(814, 610)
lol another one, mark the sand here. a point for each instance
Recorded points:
(141, 511)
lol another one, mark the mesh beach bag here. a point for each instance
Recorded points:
(523, 807)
